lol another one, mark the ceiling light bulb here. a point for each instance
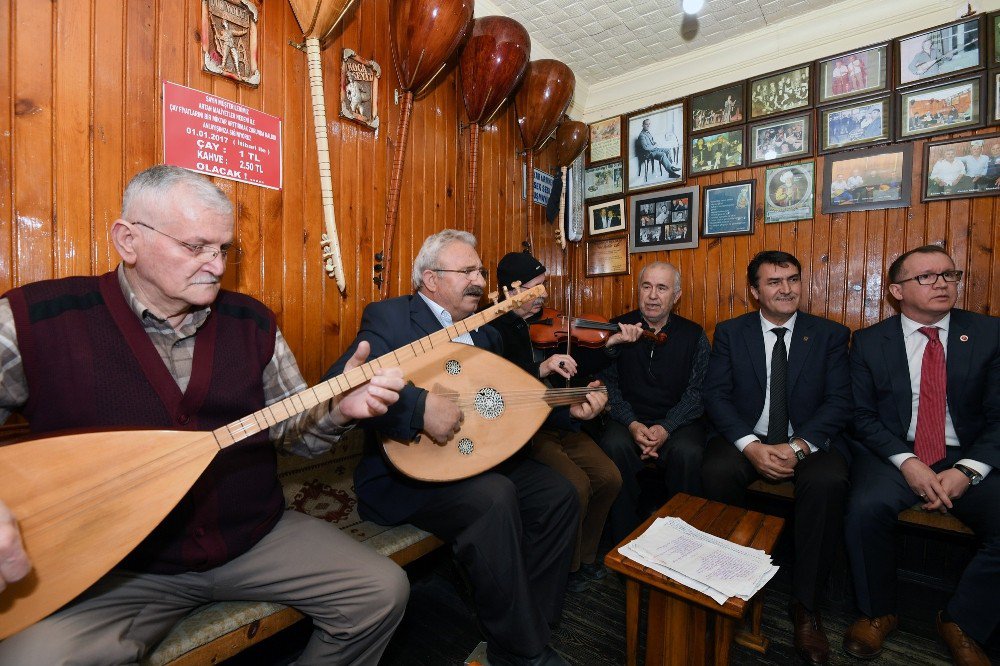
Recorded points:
(692, 6)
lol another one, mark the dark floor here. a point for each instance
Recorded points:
(440, 627)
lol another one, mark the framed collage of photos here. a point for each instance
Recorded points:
(788, 192)
(718, 151)
(664, 220)
(853, 74)
(605, 141)
(781, 139)
(868, 179)
(781, 92)
(946, 107)
(860, 123)
(656, 147)
(962, 168)
(727, 209)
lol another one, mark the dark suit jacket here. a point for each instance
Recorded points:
(387, 496)
(882, 394)
(819, 383)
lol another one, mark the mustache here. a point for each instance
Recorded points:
(474, 291)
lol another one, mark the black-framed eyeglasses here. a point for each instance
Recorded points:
(203, 253)
(469, 273)
(927, 279)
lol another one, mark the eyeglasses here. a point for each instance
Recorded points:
(203, 253)
(469, 273)
(928, 279)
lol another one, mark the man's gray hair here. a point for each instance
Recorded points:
(430, 252)
(158, 181)
(662, 264)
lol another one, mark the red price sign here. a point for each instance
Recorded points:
(217, 137)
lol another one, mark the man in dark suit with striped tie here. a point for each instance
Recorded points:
(778, 393)
(927, 409)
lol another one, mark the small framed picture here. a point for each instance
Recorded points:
(607, 256)
(606, 217)
(602, 181)
(939, 109)
(605, 141)
(781, 139)
(852, 74)
(728, 209)
(857, 124)
(788, 192)
(994, 83)
(948, 49)
(664, 220)
(717, 108)
(780, 92)
(962, 168)
(656, 146)
(993, 39)
(716, 152)
(868, 179)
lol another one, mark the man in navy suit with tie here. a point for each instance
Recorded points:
(778, 393)
(927, 409)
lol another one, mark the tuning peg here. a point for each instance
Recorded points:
(379, 256)
(378, 268)
(515, 285)
(506, 293)
(494, 297)
(377, 280)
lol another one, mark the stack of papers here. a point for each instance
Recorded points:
(701, 561)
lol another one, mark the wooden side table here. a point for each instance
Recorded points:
(686, 627)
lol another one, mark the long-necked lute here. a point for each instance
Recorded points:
(84, 501)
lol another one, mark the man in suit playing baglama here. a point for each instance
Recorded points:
(778, 393)
(927, 409)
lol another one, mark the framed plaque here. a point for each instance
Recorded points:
(607, 256)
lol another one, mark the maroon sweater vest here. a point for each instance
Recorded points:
(89, 364)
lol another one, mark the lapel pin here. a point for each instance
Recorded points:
(963, 338)
(805, 338)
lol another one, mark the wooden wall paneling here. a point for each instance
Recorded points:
(867, 274)
(141, 92)
(879, 259)
(956, 239)
(71, 217)
(857, 240)
(32, 137)
(977, 267)
(7, 264)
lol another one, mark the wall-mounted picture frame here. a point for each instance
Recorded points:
(862, 72)
(607, 256)
(603, 180)
(994, 83)
(728, 209)
(780, 92)
(789, 192)
(939, 109)
(867, 179)
(780, 139)
(717, 108)
(606, 217)
(605, 141)
(717, 151)
(948, 49)
(992, 30)
(860, 123)
(664, 220)
(656, 146)
(961, 168)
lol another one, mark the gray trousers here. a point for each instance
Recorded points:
(354, 596)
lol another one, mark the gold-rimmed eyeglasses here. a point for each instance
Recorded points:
(469, 273)
(203, 253)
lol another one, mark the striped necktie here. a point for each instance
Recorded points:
(928, 443)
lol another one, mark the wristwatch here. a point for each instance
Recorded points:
(974, 476)
(796, 449)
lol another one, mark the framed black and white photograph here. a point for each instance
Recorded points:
(664, 220)
(605, 141)
(945, 107)
(656, 147)
(781, 139)
(716, 152)
(948, 49)
(606, 217)
(717, 108)
(962, 168)
(728, 210)
(602, 181)
(852, 74)
(788, 192)
(857, 124)
(868, 179)
(781, 92)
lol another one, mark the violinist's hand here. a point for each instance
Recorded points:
(14, 563)
(372, 398)
(627, 333)
(442, 418)
(596, 402)
(561, 364)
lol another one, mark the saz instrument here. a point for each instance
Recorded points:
(317, 19)
(502, 407)
(84, 501)
(571, 139)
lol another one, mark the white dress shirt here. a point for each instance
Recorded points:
(444, 317)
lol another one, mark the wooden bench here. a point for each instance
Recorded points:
(321, 487)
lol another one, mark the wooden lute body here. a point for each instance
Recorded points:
(84, 501)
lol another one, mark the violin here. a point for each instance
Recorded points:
(589, 330)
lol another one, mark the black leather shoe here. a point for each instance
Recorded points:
(497, 656)
(810, 642)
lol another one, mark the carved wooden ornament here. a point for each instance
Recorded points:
(229, 39)
(359, 90)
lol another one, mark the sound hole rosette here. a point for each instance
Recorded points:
(453, 366)
(465, 446)
(489, 403)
